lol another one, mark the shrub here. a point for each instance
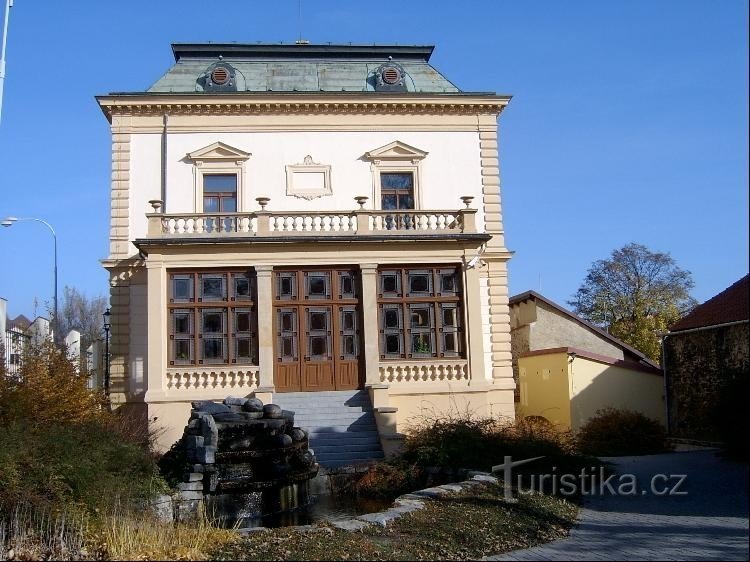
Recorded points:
(84, 465)
(389, 479)
(612, 433)
(60, 448)
(466, 441)
(451, 442)
(49, 390)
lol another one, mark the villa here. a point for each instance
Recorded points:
(316, 225)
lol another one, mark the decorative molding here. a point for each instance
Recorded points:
(218, 152)
(308, 180)
(194, 105)
(395, 151)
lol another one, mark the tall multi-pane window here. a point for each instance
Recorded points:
(212, 317)
(219, 193)
(420, 312)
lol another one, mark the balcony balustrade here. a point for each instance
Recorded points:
(311, 223)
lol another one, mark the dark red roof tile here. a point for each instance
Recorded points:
(731, 305)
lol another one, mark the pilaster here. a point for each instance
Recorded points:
(264, 276)
(156, 281)
(369, 272)
(473, 323)
(499, 321)
(119, 240)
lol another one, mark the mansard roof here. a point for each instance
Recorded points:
(301, 68)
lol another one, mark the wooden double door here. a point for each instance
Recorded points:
(317, 329)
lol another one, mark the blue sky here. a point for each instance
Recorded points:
(629, 121)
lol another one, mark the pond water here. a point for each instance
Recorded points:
(323, 507)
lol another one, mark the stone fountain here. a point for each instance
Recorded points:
(244, 459)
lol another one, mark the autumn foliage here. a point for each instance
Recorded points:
(49, 390)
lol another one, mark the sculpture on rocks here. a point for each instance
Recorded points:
(246, 459)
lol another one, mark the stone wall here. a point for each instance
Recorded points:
(698, 365)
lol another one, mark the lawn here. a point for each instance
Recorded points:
(463, 526)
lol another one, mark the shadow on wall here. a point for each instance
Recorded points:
(596, 386)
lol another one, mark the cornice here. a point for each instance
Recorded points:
(134, 105)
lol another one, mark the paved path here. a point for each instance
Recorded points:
(709, 523)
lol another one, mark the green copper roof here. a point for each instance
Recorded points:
(301, 68)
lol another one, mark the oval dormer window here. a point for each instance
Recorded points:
(391, 75)
(219, 76)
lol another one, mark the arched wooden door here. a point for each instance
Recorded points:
(317, 330)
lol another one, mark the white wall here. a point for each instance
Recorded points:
(450, 170)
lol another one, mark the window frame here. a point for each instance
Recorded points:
(218, 159)
(228, 305)
(435, 300)
(394, 158)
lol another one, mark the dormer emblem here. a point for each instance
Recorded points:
(390, 77)
(219, 77)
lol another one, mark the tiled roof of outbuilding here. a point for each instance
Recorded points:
(731, 305)
(301, 68)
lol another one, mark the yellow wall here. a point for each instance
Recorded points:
(545, 387)
(599, 385)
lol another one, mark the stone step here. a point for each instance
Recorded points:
(349, 457)
(341, 424)
(339, 414)
(338, 435)
(347, 447)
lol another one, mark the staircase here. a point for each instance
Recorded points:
(341, 424)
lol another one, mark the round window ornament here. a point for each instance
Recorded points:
(391, 75)
(220, 76)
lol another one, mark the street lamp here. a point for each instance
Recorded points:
(107, 326)
(9, 221)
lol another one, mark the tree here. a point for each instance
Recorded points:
(79, 312)
(636, 295)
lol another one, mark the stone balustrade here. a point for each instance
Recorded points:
(310, 223)
(424, 371)
(221, 379)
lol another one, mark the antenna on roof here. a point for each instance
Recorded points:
(299, 40)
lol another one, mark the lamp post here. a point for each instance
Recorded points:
(107, 326)
(9, 221)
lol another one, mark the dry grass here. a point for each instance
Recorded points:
(136, 537)
(28, 534)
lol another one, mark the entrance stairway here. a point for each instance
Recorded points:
(341, 424)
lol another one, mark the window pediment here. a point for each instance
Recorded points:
(218, 152)
(396, 150)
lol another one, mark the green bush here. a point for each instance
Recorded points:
(60, 447)
(613, 433)
(454, 442)
(480, 443)
(86, 465)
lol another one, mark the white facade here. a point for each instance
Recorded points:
(310, 154)
(451, 169)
